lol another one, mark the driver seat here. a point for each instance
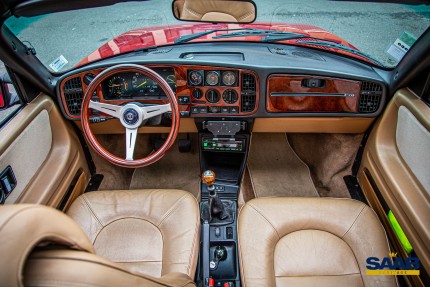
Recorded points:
(109, 238)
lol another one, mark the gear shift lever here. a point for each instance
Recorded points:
(216, 207)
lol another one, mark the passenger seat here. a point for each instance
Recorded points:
(310, 242)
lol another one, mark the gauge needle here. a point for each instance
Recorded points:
(141, 84)
(111, 86)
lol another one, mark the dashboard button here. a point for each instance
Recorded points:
(234, 110)
(184, 114)
(203, 110)
(225, 110)
(183, 100)
(195, 110)
(214, 110)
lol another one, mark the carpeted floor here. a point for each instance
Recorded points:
(329, 157)
(174, 171)
(276, 170)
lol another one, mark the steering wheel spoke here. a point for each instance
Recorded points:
(130, 142)
(152, 111)
(112, 110)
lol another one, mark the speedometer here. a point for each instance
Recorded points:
(143, 86)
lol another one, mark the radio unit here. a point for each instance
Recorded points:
(220, 144)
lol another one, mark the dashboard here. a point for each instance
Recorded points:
(237, 80)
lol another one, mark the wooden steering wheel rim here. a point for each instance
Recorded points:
(85, 115)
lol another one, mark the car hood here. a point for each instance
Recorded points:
(157, 36)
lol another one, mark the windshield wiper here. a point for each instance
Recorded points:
(258, 32)
(324, 43)
(190, 37)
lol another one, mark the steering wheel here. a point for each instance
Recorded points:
(131, 116)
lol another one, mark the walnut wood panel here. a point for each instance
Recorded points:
(285, 93)
(182, 89)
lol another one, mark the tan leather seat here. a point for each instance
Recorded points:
(151, 235)
(214, 10)
(309, 242)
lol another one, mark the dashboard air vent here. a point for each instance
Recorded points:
(370, 97)
(249, 92)
(73, 94)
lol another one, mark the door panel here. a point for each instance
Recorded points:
(395, 169)
(45, 155)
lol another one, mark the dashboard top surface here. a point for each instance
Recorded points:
(262, 60)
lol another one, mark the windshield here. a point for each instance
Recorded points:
(380, 33)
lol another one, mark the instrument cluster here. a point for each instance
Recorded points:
(136, 85)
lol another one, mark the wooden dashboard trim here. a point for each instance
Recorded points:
(285, 93)
(182, 88)
(312, 125)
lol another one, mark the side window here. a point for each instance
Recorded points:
(9, 100)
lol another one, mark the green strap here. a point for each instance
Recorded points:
(400, 234)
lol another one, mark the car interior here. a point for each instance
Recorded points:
(212, 163)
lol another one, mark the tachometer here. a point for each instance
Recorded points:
(117, 87)
(212, 78)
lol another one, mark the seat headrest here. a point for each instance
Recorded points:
(25, 226)
(214, 10)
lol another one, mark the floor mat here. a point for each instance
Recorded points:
(276, 170)
(175, 170)
(330, 158)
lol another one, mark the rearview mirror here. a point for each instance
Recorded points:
(215, 11)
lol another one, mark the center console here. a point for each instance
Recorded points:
(223, 152)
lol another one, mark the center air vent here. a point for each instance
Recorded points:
(73, 95)
(249, 92)
(370, 97)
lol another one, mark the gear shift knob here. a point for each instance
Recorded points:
(208, 177)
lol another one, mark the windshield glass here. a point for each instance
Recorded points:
(379, 33)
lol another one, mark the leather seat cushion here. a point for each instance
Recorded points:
(152, 232)
(309, 242)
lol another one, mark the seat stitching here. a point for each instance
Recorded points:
(88, 205)
(355, 220)
(122, 218)
(259, 212)
(359, 214)
(171, 210)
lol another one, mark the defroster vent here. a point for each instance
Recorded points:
(73, 95)
(249, 92)
(370, 97)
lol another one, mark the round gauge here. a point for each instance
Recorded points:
(140, 83)
(143, 85)
(197, 94)
(212, 96)
(230, 96)
(228, 78)
(195, 78)
(212, 78)
(118, 86)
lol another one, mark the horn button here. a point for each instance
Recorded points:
(130, 116)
